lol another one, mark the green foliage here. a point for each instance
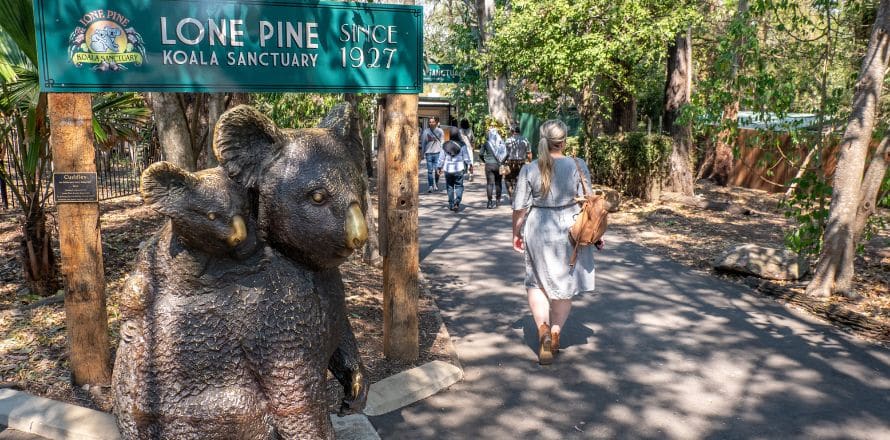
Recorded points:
(119, 117)
(629, 163)
(808, 206)
(295, 110)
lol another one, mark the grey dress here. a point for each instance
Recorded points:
(546, 230)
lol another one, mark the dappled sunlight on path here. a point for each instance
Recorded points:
(657, 352)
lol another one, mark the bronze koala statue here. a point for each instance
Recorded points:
(237, 307)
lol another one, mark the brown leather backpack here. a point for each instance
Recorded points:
(590, 223)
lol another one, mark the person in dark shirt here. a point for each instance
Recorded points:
(518, 153)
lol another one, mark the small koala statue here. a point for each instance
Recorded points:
(180, 371)
(237, 307)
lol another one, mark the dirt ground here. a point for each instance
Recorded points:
(695, 236)
(32, 341)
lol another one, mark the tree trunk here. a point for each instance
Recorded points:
(871, 186)
(718, 162)
(371, 253)
(676, 95)
(623, 113)
(721, 169)
(500, 102)
(834, 271)
(38, 258)
(174, 129)
(587, 102)
(216, 105)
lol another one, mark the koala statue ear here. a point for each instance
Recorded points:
(245, 142)
(165, 184)
(339, 120)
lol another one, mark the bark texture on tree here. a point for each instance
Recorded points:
(80, 243)
(834, 271)
(871, 186)
(676, 95)
(401, 265)
(174, 130)
(500, 102)
(371, 252)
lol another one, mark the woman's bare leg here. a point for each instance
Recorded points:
(540, 306)
(559, 313)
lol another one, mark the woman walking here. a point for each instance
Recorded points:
(544, 207)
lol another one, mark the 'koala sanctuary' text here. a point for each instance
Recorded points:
(275, 43)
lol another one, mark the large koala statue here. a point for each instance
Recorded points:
(237, 308)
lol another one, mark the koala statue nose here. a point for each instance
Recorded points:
(239, 231)
(356, 228)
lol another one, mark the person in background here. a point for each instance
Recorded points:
(466, 135)
(546, 190)
(518, 153)
(431, 145)
(454, 161)
(493, 177)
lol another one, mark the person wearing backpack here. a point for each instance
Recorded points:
(454, 161)
(431, 145)
(493, 153)
(518, 152)
(544, 209)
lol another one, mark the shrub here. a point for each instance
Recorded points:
(633, 163)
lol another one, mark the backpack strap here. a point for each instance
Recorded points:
(581, 177)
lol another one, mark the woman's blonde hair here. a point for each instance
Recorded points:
(553, 138)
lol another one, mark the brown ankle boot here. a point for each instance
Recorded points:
(545, 353)
(554, 343)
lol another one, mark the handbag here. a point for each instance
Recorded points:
(590, 223)
(503, 169)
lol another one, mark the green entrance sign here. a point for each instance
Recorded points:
(222, 46)
(440, 73)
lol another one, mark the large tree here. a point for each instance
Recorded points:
(676, 96)
(500, 101)
(600, 59)
(834, 271)
(185, 123)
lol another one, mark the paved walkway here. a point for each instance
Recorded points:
(659, 352)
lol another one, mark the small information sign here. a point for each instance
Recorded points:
(75, 187)
(228, 46)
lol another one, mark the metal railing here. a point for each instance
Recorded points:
(118, 170)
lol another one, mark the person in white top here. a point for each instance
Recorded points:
(454, 160)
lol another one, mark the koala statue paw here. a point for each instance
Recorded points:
(355, 402)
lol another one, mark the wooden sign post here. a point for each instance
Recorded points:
(71, 138)
(401, 262)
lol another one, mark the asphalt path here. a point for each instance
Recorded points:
(658, 352)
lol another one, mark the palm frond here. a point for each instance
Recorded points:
(17, 21)
(118, 117)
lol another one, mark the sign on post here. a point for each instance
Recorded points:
(440, 73)
(221, 46)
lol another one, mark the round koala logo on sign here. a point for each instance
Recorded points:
(105, 42)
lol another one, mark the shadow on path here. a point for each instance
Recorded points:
(657, 352)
